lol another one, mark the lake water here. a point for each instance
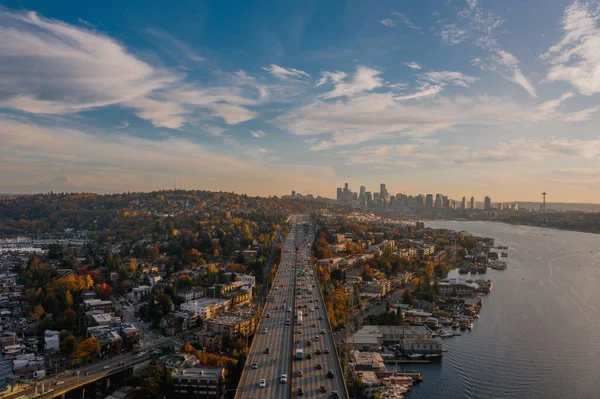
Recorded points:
(539, 332)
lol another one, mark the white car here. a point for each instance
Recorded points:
(283, 378)
(262, 383)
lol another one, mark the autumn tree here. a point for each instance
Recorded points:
(87, 350)
(213, 273)
(133, 265)
(187, 348)
(37, 312)
(68, 299)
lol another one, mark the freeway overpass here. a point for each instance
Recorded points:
(62, 383)
(279, 336)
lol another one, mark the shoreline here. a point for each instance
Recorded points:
(597, 232)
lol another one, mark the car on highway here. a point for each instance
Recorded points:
(323, 388)
(60, 382)
(87, 373)
(299, 392)
(266, 330)
(300, 373)
(268, 315)
(322, 331)
(308, 355)
(320, 317)
(267, 351)
(319, 366)
(326, 351)
(262, 383)
(106, 367)
(334, 395)
(283, 378)
(288, 322)
(318, 351)
(254, 365)
(330, 374)
(122, 363)
(313, 325)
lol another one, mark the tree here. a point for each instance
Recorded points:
(387, 252)
(150, 386)
(68, 299)
(67, 344)
(165, 302)
(407, 297)
(187, 348)
(213, 273)
(153, 253)
(37, 312)
(133, 265)
(87, 350)
(70, 317)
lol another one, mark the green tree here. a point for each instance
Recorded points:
(154, 385)
(67, 344)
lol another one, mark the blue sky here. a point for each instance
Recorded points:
(475, 97)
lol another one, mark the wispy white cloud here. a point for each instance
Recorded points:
(479, 27)
(448, 77)
(123, 125)
(416, 154)
(575, 58)
(263, 150)
(364, 79)
(425, 91)
(213, 130)
(549, 108)
(174, 47)
(581, 116)
(334, 77)
(400, 18)
(388, 22)
(406, 21)
(413, 65)
(258, 134)
(453, 35)
(374, 116)
(84, 69)
(285, 73)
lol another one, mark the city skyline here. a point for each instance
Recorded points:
(364, 198)
(464, 97)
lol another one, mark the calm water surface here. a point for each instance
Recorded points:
(539, 332)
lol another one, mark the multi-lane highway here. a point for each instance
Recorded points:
(293, 314)
(318, 374)
(262, 374)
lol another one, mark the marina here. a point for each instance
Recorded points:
(546, 298)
